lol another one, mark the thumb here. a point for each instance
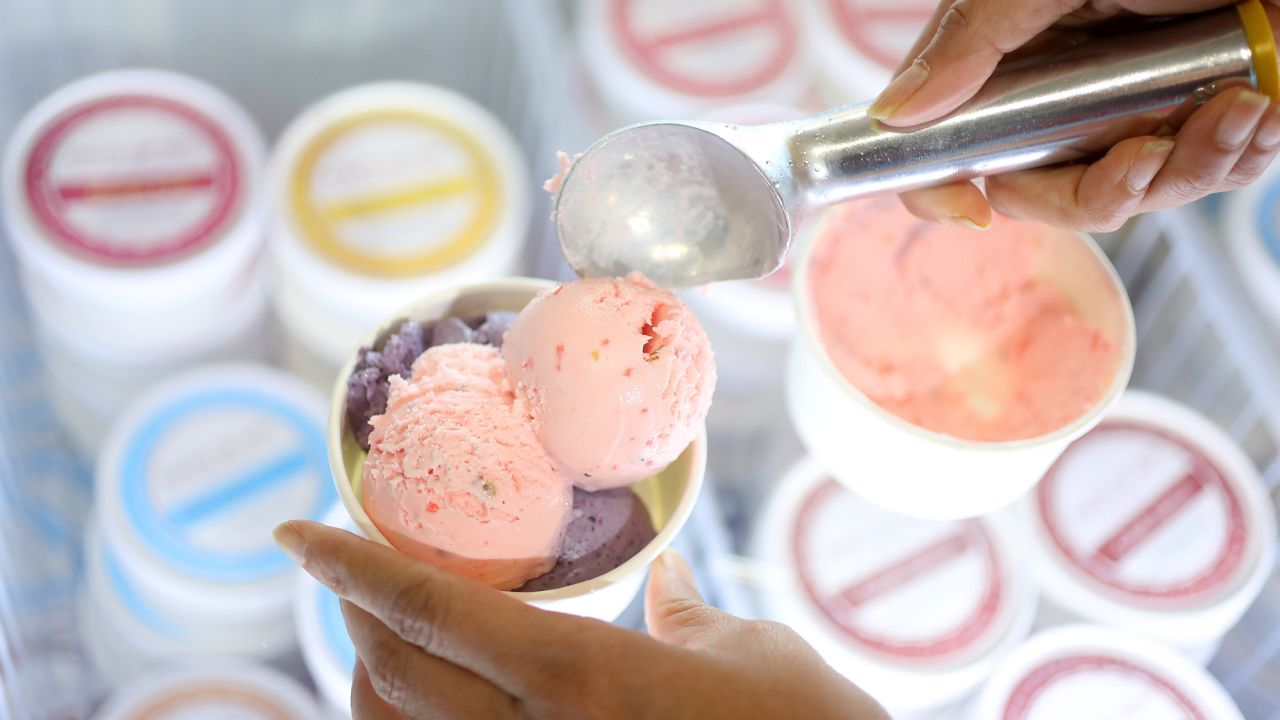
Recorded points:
(674, 610)
(970, 38)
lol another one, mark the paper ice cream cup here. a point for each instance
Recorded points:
(915, 471)
(669, 495)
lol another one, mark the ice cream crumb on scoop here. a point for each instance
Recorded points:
(455, 475)
(617, 375)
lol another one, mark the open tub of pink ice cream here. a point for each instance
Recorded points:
(666, 495)
(940, 371)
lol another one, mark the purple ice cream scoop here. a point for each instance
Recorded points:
(370, 381)
(607, 529)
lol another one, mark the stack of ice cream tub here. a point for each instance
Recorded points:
(384, 193)
(179, 557)
(132, 201)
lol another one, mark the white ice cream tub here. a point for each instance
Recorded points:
(669, 495)
(915, 471)
(92, 379)
(134, 190)
(126, 634)
(1251, 227)
(384, 193)
(212, 689)
(856, 46)
(322, 633)
(1084, 671)
(194, 477)
(916, 612)
(652, 59)
(1154, 522)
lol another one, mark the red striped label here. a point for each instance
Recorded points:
(1145, 515)
(736, 49)
(1098, 686)
(868, 597)
(133, 179)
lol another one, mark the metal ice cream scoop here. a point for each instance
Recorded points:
(687, 203)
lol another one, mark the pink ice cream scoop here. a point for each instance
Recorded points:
(455, 475)
(617, 375)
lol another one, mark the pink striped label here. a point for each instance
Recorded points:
(928, 593)
(1145, 515)
(133, 180)
(1098, 686)
(881, 31)
(718, 49)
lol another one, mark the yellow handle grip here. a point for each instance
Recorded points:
(1257, 29)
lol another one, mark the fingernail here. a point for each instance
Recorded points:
(290, 541)
(900, 90)
(1147, 164)
(1268, 135)
(679, 577)
(966, 222)
(1238, 122)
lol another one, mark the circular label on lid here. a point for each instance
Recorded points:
(714, 48)
(1097, 686)
(922, 592)
(207, 474)
(881, 30)
(133, 179)
(1146, 516)
(239, 692)
(395, 192)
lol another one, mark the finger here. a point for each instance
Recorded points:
(1094, 198)
(968, 38)
(960, 203)
(417, 684)
(468, 624)
(1209, 145)
(971, 38)
(365, 703)
(674, 610)
(1260, 153)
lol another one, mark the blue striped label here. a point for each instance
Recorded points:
(205, 478)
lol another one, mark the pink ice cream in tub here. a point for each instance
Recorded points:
(940, 371)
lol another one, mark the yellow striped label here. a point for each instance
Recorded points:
(476, 188)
